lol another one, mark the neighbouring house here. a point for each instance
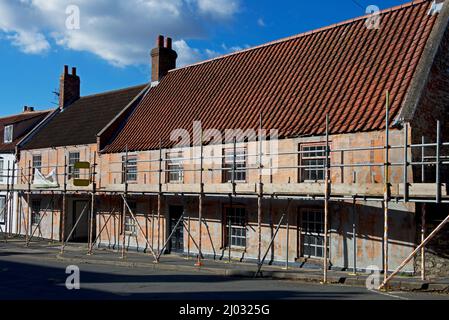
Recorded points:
(48, 158)
(12, 130)
(184, 166)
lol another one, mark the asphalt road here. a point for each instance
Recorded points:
(30, 276)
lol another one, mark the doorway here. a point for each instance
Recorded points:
(80, 234)
(176, 244)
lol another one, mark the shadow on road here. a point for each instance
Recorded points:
(30, 281)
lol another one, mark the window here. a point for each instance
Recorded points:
(312, 163)
(312, 231)
(237, 174)
(37, 163)
(2, 168)
(130, 223)
(175, 169)
(8, 134)
(129, 170)
(236, 220)
(74, 157)
(2, 209)
(35, 212)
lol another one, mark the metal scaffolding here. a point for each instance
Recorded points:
(326, 191)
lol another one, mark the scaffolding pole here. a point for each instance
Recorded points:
(326, 204)
(260, 197)
(92, 216)
(159, 197)
(64, 202)
(200, 207)
(386, 186)
(423, 238)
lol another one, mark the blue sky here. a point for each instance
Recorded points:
(111, 47)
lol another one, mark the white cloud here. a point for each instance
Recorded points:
(261, 22)
(120, 32)
(29, 42)
(219, 8)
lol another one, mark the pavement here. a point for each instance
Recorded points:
(133, 261)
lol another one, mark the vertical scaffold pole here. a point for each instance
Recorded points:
(386, 185)
(28, 214)
(326, 205)
(64, 204)
(260, 197)
(6, 209)
(423, 238)
(92, 208)
(200, 207)
(125, 178)
(406, 190)
(438, 163)
(159, 198)
(354, 235)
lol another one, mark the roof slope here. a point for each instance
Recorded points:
(79, 123)
(37, 116)
(343, 70)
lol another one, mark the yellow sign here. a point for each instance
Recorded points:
(82, 182)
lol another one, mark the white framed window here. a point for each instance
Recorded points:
(312, 232)
(8, 134)
(234, 165)
(2, 170)
(35, 212)
(2, 209)
(312, 163)
(129, 169)
(235, 220)
(74, 157)
(175, 167)
(130, 223)
(37, 162)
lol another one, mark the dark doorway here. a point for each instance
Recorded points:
(176, 244)
(80, 234)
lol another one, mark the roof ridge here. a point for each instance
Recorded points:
(37, 112)
(114, 91)
(304, 34)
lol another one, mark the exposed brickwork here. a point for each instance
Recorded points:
(69, 87)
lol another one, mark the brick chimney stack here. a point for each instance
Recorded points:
(69, 87)
(28, 109)
(163, 59)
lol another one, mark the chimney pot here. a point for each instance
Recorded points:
(160, 41)
(73, 71)
(66, 69)
(169, 43)
(28, 109)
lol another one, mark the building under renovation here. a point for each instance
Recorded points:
(324, 150)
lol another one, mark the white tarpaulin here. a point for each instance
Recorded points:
(41, 181)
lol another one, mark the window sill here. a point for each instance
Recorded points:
(236, 249)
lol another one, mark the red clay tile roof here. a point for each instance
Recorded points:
(343, 70)
(37, 116)
(81, 121)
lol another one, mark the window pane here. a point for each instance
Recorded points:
(129, 169)
(312, 231)
(74, 157)
(312, 161)
(2, 209)
(8, 132)
(235, 165)
(2, 171)
(37, 162)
